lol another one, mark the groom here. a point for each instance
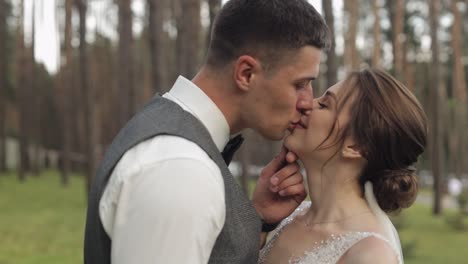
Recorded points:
(163, 193)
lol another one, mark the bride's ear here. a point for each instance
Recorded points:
(351, 150)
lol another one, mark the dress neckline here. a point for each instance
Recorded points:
(333, 247)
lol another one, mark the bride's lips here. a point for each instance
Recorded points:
(303, 122)
(299, 124)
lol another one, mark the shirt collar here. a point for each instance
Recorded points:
(193, 100)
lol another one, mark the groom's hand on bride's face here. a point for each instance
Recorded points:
(280, 188)
(286, 178)
(287, 181)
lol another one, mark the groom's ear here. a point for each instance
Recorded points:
(245, 69)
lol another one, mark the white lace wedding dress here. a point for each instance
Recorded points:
(329, 251)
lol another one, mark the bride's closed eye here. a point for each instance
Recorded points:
(322, 105)
(322, 102)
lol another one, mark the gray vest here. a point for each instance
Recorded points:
(238, 241)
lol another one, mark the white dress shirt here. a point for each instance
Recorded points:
(164, 202)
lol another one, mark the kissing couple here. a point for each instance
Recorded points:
(164, 194)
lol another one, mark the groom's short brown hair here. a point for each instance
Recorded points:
(265, 29)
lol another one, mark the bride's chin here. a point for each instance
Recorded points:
(290, 145)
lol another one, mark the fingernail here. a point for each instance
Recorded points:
(274, 180)
(281, 193)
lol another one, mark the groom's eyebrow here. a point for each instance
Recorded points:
(310, 78)
(304, 79)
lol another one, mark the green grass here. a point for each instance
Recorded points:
(42, 222)
(431, 239)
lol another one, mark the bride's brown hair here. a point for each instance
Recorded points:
(390, 128)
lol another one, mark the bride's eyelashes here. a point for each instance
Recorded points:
(322, 105)
(322, 102)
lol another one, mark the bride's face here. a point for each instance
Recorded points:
(319, 137)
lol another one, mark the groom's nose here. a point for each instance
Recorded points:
(305, 101)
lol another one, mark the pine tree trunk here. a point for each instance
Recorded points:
(22, 96)
(3, 87)
(435, 87)
(459, 88)
(65, 82)
(398, 37)
(34, 97)
(158, 45)
(214, 7)
(377, 32)
(331, 55)
(88, 97)
(126, 63)
(189, 37)
(351, 56)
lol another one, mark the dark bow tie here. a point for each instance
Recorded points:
(232, 146)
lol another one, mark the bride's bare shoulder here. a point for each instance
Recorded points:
(371, 250)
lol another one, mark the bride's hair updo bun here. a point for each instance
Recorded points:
(395, 189)
(390, 129)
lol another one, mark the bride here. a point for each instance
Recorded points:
(358, 146)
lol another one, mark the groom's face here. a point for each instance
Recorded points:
(283, 95)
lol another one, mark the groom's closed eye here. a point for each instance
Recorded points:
(303, 84)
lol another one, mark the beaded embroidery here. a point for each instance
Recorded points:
(327, 251)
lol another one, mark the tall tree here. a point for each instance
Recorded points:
(103, 60)
(214, 7)
(434, 10)
(3, 81)
(398, 36)
(351, 56)
(459, 90)
(332, 66)
(377, 32)
(188, 37)
(21, 70)
(34, 99)
(63, 94)
(158, 45)
(465, 33)
(126, 62)
(88, 95)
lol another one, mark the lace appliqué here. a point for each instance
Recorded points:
(331, 250)
(327, 251)
(267, 248)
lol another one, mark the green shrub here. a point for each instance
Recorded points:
(456, 221)
(463, 202)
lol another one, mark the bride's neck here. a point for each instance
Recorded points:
(334, 192)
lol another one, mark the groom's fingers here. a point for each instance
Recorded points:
(291, 157)
(297, 190)
(284, 173)
(292, 180)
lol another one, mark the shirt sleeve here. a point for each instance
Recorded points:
(169, 212)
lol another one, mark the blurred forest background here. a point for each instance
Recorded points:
(105, 58)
